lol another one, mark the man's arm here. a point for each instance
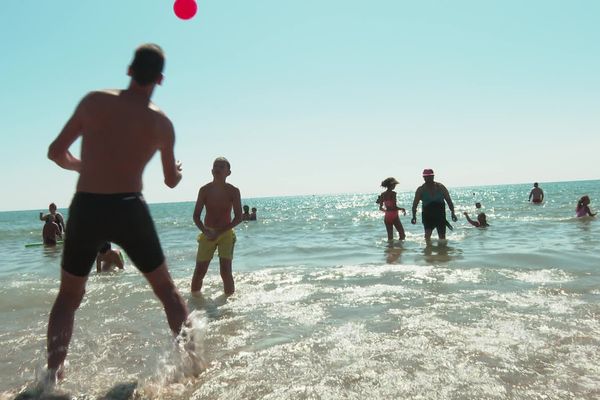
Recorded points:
(171, 168)
(98, 264)
(449, 202)
(530, 194)
(59, 149)
(416, 201)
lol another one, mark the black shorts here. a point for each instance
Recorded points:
(121, 218)
(434, 217)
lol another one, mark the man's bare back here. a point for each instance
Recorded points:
(121, 131)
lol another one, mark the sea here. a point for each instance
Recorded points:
(326, 308)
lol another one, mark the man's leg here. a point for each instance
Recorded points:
(199, 273)
(227, 276)
(167, 293)
(62, 316)
(428, 233)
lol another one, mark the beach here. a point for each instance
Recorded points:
(325, 308)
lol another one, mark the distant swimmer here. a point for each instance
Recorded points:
(253, 214)
(583, 207)
(220, 199)
(246, 213)
(58, 218)
(108, 259)
(481, 221)
(387, 204)
(108, 203)
(51, 231)
(536, 195)
(434, 196)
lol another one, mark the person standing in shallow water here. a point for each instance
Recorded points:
(220, 199)
(536, 196)
(434, 196)
(108, 204)
(387, 203)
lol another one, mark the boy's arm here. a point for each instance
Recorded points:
(171, 168)
(198, 211)
(236, 205)
(59, 148)
(237, 208)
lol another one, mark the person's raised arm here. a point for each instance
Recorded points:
(59, 148)
(171, 168)
(466, 214)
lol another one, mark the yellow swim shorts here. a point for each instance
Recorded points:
(225, 242)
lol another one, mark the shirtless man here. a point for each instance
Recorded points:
(108, 204)
(108, 258)
(219, 198)
(536, 195)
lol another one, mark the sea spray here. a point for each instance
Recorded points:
(182, 363)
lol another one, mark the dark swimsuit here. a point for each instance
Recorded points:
(434, 211)
(121, 218)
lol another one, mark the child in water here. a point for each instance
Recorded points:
(387, 203)
(481, 220)
(583, 208)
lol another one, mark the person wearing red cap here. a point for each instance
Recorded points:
(434, 196)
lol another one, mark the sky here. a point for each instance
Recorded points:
(314, 97)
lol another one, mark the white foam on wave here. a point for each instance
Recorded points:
(538, 276)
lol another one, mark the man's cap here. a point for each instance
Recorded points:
(427, 172)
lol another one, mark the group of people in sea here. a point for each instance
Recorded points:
(434, 196)
(247, 215)
(108, 205)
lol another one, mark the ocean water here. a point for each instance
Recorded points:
(325, 309)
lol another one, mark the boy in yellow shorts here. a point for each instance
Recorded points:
(219, 198)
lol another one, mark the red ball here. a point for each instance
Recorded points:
(185, 9)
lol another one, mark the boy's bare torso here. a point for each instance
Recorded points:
(218, 200)
(121, 133)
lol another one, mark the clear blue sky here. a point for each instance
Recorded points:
(307, 96)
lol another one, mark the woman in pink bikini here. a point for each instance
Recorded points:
(387, 203)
